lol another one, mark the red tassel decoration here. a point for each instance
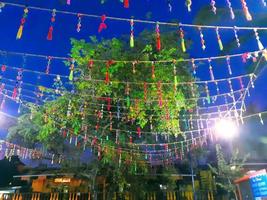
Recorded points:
(158, 42)
(138, 130)
(90, 64)
(108, 64)
(126, 3)
(102, 24)
(52, 23)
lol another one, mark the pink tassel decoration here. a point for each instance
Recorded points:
(102, 24)
(68, 2)
(52, 23)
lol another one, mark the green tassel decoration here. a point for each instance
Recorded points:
(71, 75)
(128, 102)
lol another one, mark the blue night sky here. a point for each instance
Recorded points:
(36, 28)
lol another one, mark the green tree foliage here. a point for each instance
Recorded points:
(110, 95)
(226, 172)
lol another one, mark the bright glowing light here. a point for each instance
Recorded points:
(226, 129)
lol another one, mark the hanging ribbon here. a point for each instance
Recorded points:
(202, 40)
(102, 25)
(22, 22)
(169, 5)
(232, 14)
(52, 23)
(236, 37)
(219, 39)
(213, 7)
(158, 43)
(182, 40)
(132, 33)
(246, 11)
(188, 4)
(258, 39)
(79, 23)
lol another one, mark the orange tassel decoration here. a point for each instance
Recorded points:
(22, 22)
(51, 28)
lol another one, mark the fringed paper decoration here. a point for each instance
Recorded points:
(132, 33)
(219, 39)
(158, 42)
(126, 3)
(207, 92)
(228, 65)
(261, 120)
(194, 67)
(175, 77)
(134, 63)
(241, 83)
(169, 5)
(145, 92)
(49, 58)
(188, 4)
(202, 40)
(231, 87)
(217, 88)
(213, 7)
(71, 75)
(52, 23)
(236, 37)
(232, 14)
(211, 70)
(182, 40)
(22, 22)
(153, 76)
(246, 11)
(68, 2)
(160, 101)
(258, 39)
(79, 23)
(107, 77)
(3, 103)
(102, 25)
(251, 80)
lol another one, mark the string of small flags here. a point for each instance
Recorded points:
(103, 25)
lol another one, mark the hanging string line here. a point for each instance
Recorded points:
(131, 61)
(129, 19)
